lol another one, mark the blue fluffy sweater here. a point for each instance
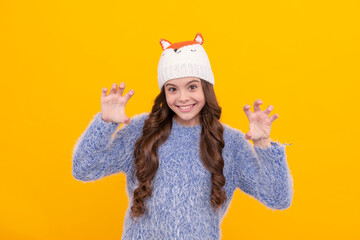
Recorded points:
(180, 207)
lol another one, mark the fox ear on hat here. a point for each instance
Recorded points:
(164, 43)
(199, 38)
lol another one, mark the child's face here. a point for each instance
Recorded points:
(185, 92)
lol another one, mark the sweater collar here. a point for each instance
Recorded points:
(178, 126)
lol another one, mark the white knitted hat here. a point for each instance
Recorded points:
(184, 59)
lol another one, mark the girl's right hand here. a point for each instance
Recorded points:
(113, 105)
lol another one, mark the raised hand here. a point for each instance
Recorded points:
(260, 122)
(113, 105)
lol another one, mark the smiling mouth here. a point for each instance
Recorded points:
(187, 107)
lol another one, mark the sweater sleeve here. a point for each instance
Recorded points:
(263, 173)
(99, 152)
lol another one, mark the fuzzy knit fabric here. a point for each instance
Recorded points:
(180, 208)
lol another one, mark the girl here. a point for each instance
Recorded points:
(187, 164)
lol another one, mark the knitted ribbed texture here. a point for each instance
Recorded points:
(180, 204)
(185, 70)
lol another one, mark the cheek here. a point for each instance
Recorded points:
(169, 100)
(200, 97)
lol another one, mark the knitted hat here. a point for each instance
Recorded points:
(184, 59)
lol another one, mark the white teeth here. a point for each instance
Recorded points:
(186, 107)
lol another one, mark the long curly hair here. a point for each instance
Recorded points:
(156, 130)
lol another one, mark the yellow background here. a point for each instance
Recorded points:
(302, 57)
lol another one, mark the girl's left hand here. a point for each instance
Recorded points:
(260, 123)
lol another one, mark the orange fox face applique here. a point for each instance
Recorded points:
(193, 51)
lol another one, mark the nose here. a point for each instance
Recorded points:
(183, 96)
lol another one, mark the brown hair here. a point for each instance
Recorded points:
(156, 130)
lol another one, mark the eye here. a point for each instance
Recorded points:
(174, 89)
(193, 50)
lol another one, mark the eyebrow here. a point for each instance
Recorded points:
(185, 85)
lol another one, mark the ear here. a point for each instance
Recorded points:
(199, 38)
(164, 43)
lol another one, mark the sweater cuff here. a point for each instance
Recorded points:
(275, 151)
(105, 127)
